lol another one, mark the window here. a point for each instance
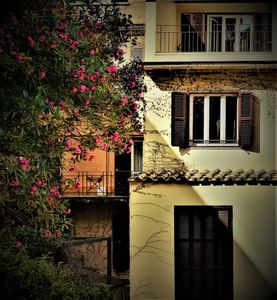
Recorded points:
(212, 120)
(137, 53)
(239, 33)
(137, 155)
(223, 33)
(203, 253)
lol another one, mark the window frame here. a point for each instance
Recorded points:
(137, 141)
(206, 142)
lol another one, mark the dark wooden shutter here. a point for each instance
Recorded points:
(179, 121)
(203, 253)
(246, 121)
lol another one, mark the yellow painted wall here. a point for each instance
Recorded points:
(152, 237)
(254, 207)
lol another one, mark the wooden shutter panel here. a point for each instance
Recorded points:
(179, 121)
(246, 121)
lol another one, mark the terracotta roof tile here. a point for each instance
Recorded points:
(206, 177)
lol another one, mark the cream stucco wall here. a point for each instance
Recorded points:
(152, 237)
(158, 124)
(254, 207)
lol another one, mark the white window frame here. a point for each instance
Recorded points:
(206, 142)
(237, 32)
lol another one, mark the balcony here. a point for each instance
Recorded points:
(96, 184)
(176, 39)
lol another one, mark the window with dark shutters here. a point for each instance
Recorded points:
(246, 120)
(179, 122)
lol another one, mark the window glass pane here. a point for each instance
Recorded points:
(138, 156)
(214, 122)
(230, 34)
(231, 119)
(245, 28)
(216, 33)
(198, 119)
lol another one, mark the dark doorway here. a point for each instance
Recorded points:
(121, 253)
(122, 173)
(203, 253)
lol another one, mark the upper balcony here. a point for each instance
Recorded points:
(209, 32)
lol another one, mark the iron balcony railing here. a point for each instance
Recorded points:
(96, 184)
(183, 39)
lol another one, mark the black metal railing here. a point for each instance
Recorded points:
(179, 39)
(97, 184)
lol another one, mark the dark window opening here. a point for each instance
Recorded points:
(198, 119)
(231, 119)
(214, 121)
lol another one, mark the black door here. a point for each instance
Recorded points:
(121, 252)
(203, 253)
(122, 173)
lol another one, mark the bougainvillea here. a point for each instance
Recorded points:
(65, 87)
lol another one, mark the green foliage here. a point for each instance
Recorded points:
(24, 278)
(65, 87)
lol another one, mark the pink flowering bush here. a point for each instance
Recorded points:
(65, 88)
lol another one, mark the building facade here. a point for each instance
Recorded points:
(203, 210)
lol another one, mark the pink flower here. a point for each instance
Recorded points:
(104, 146)
(111, 69)
(68, 144)
(31, 41)
(62, 105)
(34, 188)
(14, 183)
(42, 74)
(92, 88)
(81, 76)
(73, 44)
(54, 192)
(62, 26)
(42, 38)
(18, 244)
(77, 150)
(120, 52)
(91, 77)
(24, 163)
(77, 185)
(131, 84)
(51, 103)
(91, 52)
(83, 88)
(53, 45)
(18, 57)
(103, 79)
(87, 102)
(74, 90)
(48, 233)
(40, 182)
(124, 100)
(115, 137)
(98, 140)
(68, 211)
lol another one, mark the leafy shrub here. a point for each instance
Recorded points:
(25, 278)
